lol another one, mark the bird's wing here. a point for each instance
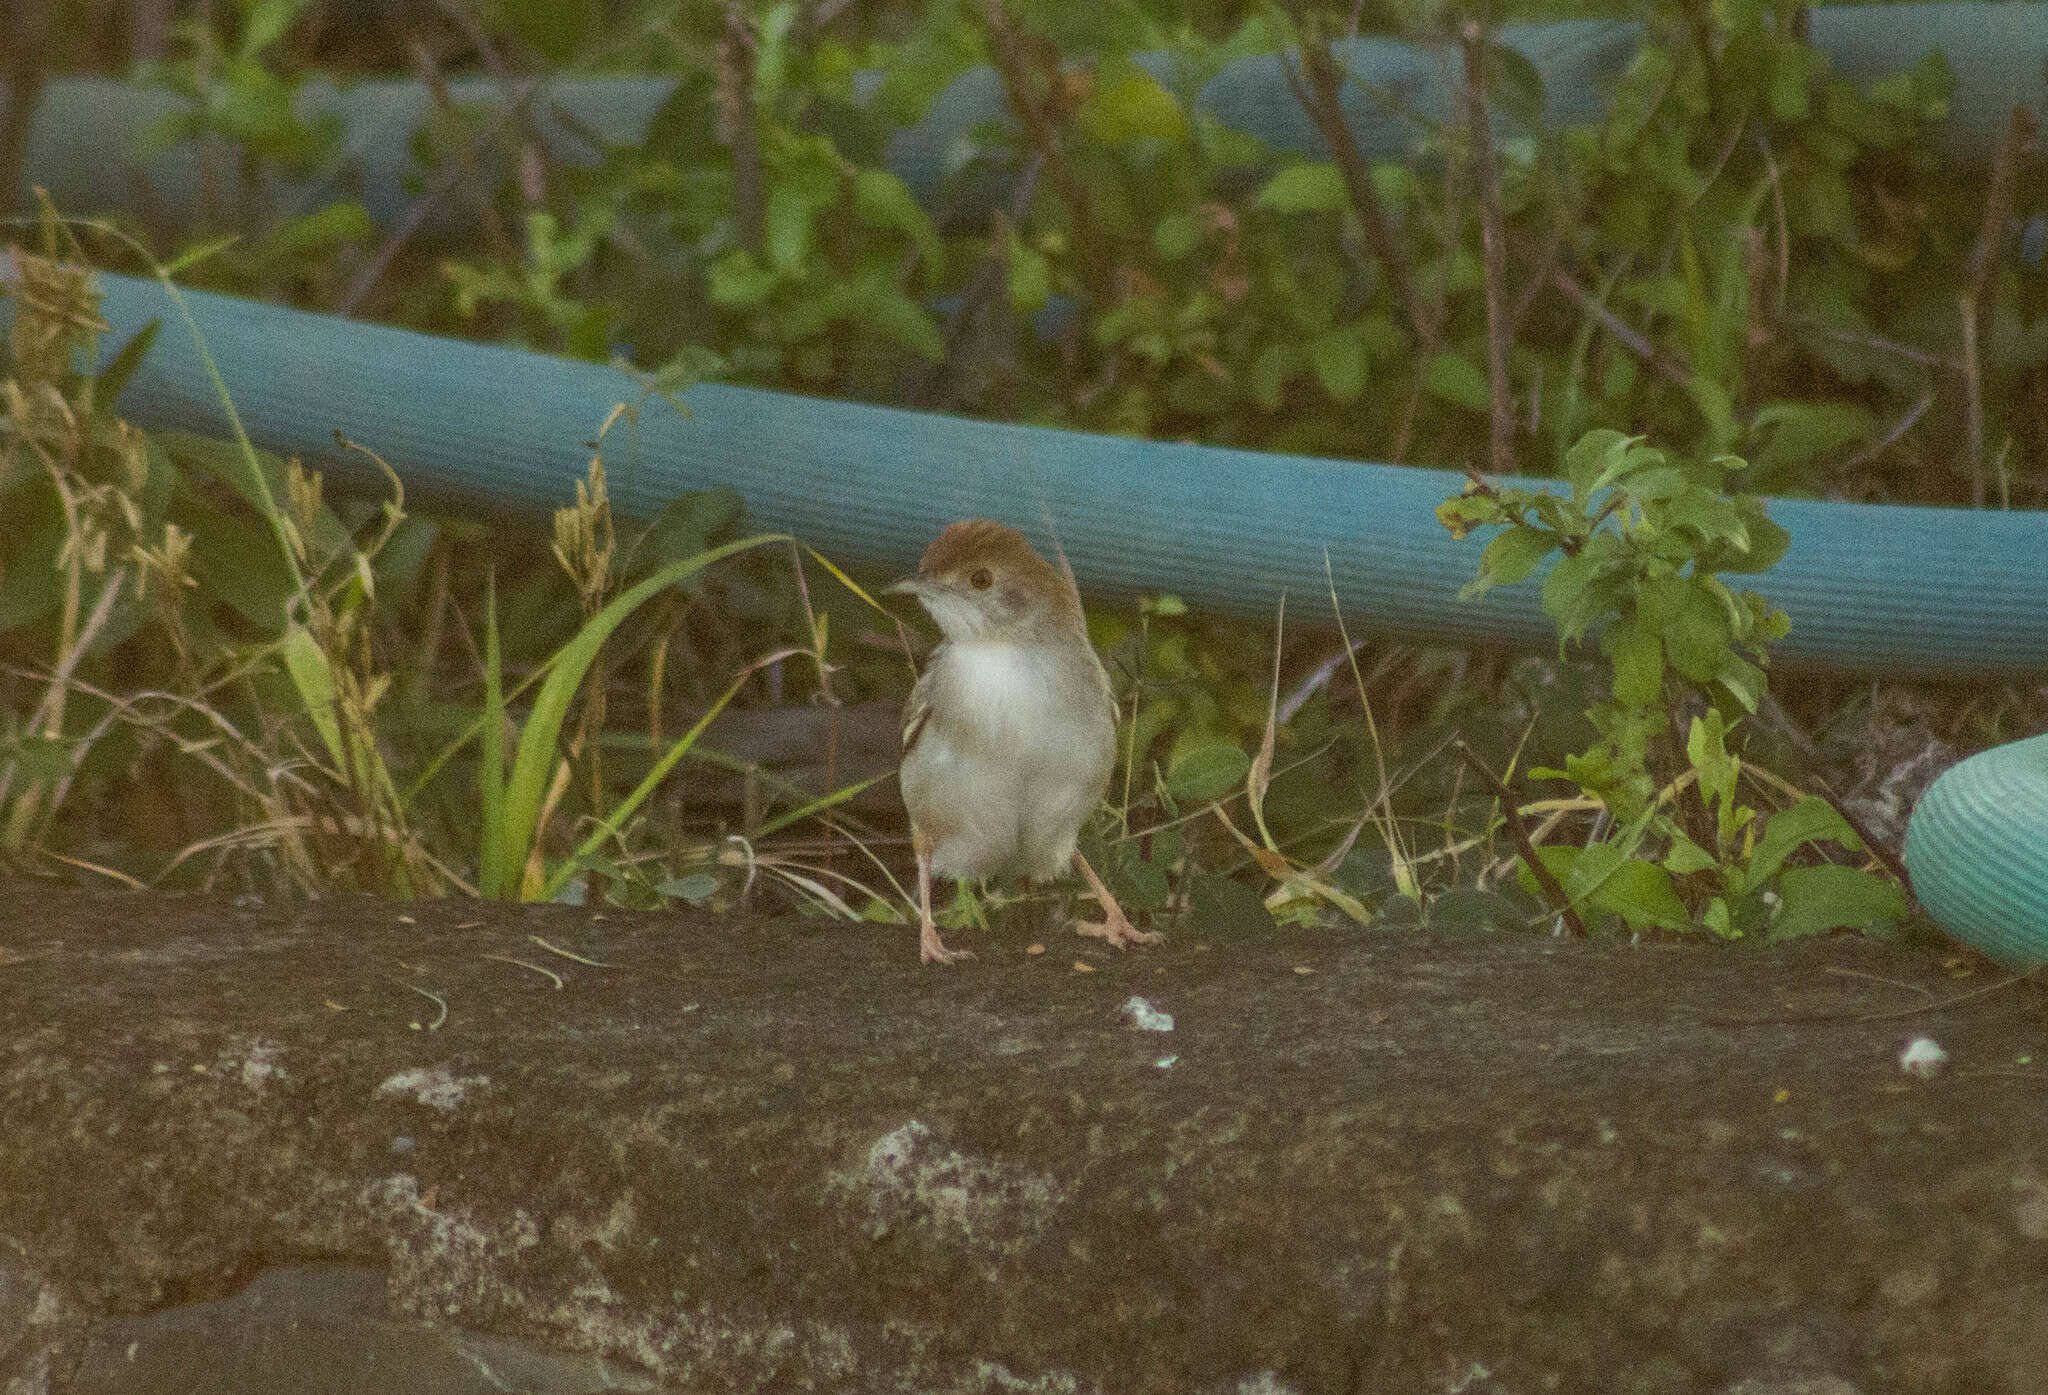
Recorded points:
(917, 711)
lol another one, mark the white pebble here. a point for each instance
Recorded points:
(1145, 1017)
(1923, 1057)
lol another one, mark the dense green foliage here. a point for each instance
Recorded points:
(1744, 255)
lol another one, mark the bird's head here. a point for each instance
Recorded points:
(981, 580)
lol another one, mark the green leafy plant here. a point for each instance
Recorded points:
(253, 136)
(1643, 542)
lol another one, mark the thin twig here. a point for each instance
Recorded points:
(1541, 267)
(25, 70)
(438, 1001)
(736, 126)
(1321, 98)
(1872, 844)
(1622, 331)
(1039, 101)
(988, 277)
(1492, 247)
(2019, 134)
(1513, 818)
(1808, 1019)
(1891, 437)
(532, 170)
(549, 974)
(444, 181)
(557, 949)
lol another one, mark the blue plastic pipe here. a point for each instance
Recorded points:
(87, 143)
(1900, 590)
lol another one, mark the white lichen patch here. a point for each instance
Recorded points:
(255, 1062)
(1145, 1017)
(2030, 1205)
(441, 1249)
(436, 1086)
(1265, 1383)
(910, 1181)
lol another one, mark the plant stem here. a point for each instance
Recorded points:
(1513, 818)
(1492, 245)
(1037, 101)
(736, 126)
(1321, 99)
(2019, 134)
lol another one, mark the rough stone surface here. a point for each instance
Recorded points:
(259, 1149)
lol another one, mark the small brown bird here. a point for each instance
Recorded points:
(1009, 737)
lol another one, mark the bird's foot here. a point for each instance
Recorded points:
(1117, 929)
(930, 950)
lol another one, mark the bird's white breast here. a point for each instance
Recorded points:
(1019, 760)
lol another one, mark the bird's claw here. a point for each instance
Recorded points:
(930, 950)
(1118, 931)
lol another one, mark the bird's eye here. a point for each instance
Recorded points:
(980, 579)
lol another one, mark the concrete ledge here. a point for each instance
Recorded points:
(244, 1149)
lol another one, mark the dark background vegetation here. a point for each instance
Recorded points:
(1748, 255)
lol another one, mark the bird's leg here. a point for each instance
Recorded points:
(1114, 926)
(930, 950)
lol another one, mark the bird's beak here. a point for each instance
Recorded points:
(911, 586)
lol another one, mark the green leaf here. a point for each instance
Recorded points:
(314, 678)
(906, 323)
(1137, 868)
(1818, 899)
(1307, 188)
(556, 28)
(1469, 908)
(1516, 85)
(1796, 433)
(199, 252)
(787, 222)
(1220, 905)
(1458, 380)
(1641, 894)
(1577, 592)
(1030, 276)
(686, 525)
(1811, 820)
(882, 200)
(1685, 857)
(106, 389)
(1791, 66)
(1743, 680)
(736, 280)
(325, 229)
(1594, 456)
(1514, 554)
(1638, 658)
(1275, 364)
(1130, 109)
(31, 583)
(1696, 636)
(1177, 235)
(695, 888)
(266, 24)
(1768, 544)
(534, 764)
(1338, 359)
(1203, 768)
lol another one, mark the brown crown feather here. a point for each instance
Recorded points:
(975, 542)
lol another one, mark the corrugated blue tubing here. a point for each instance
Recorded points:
(1977, 849)
(1900, 590)
(1892, 590)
